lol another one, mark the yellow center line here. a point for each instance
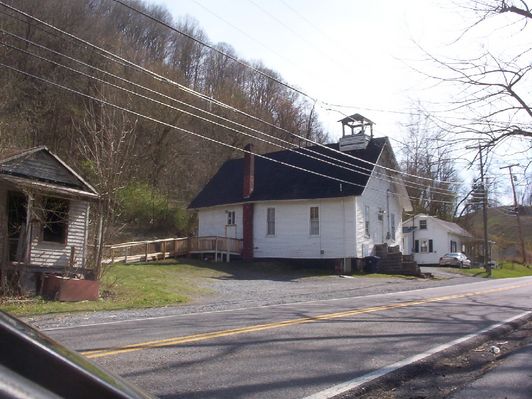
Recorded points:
(93, 354)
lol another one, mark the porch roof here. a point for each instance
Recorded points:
(38, 168)
(47, 187)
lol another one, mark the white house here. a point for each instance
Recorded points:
(285, 212)
(428, 238)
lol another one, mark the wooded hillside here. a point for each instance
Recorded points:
(127, 156)
(503, 230)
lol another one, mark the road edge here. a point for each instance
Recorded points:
(400, 370)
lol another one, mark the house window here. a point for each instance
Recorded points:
(54, 220)
(270, 221)
(392, 222)
(453, 246)
(380, 215)
(423, 246)
(231, 218)
(423, 224)
(314, 221)
(366, 221)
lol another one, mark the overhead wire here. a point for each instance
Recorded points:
(187, 131)
(127, 62)
(229, 56)
(295, 148)
(205, 97)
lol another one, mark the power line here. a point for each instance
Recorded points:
(359, 169)
(232, 58)
(313, 99)
(214, 14)
(310, 23)
(135, 113)
(163, 79)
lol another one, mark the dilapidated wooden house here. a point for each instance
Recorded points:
(44, 214)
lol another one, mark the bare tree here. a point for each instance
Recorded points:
(106, 141)
(422, 154)
(491, 87)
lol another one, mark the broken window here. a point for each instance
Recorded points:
(54, 220)
(16, 222)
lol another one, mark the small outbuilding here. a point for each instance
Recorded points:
(44, 216)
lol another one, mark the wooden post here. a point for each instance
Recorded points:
(72, 259)
(126, 253)
(163, 247)
(146, 251)
(112, 255)
(28, 231)
(216, 249)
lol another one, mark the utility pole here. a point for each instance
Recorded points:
(487, 264)
(520, 229)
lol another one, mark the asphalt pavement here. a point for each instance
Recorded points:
(511, 379)
(294, 350)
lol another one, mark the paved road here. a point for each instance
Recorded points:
(293, 350)
(512, 379)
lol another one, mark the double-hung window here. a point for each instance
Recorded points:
(424, 246)
(314, 220)
(231, 218)
(270, 221)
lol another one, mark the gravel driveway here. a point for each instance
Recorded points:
(241, 288)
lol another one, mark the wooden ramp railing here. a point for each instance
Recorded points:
(219, 246)
(150, 250)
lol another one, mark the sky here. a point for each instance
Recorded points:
(342, 52)
(362, 57)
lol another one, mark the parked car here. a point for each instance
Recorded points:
(457, 259)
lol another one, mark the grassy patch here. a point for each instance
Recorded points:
(506, 270)
(129, 286)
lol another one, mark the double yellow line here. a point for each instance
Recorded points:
(287, 323)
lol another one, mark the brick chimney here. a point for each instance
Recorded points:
(249, 172)
(247, 209)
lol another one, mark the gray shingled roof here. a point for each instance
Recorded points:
(39, 164)
(274, 181)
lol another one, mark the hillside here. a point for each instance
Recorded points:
(84, 79)
(502, 228)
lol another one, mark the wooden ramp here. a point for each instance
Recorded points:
(153, 250)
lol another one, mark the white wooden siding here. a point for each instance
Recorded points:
(341, 224)
(55, 254)
(213, 222)
(292, 237)
(375, 197)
